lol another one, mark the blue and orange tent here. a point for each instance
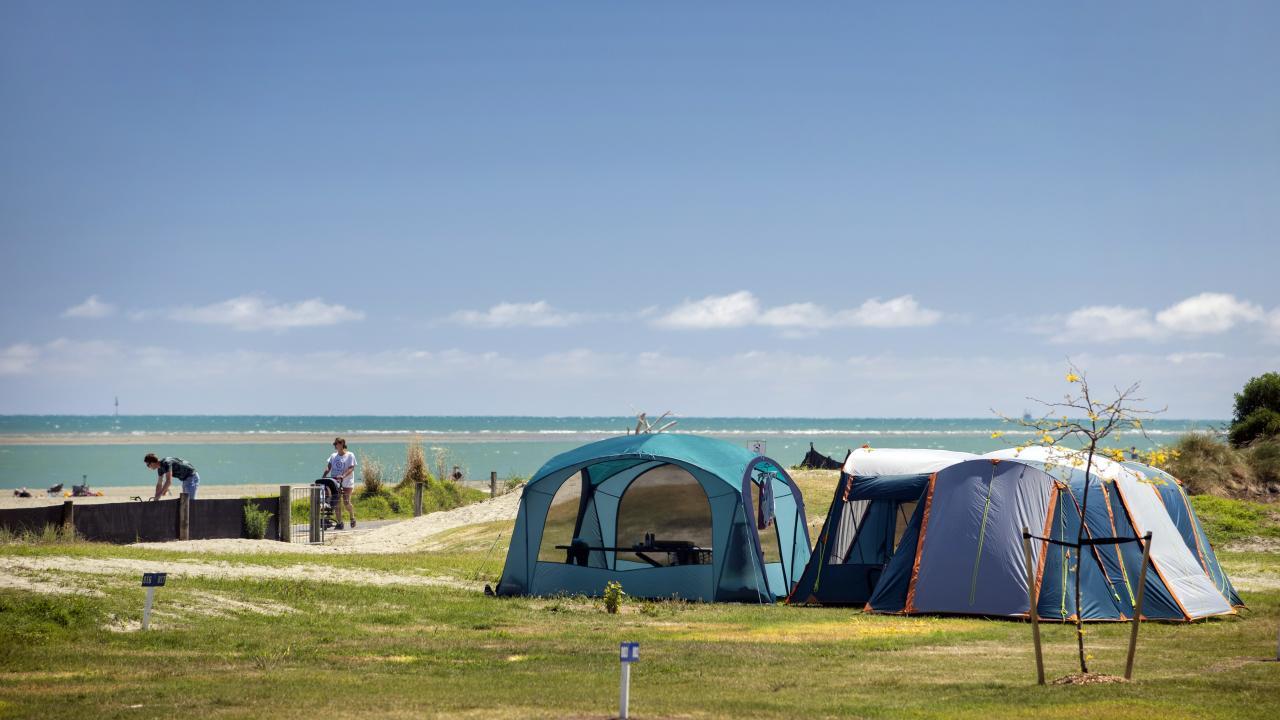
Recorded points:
(961, 550)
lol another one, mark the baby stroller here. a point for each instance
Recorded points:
(332, 493)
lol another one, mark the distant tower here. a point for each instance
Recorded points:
(117, 406)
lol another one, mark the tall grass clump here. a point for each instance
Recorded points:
(255, 521)
(1207, 465)
(371, 475)
(415, 468)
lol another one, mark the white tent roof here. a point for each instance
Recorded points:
(1066, 458)
(867, 462)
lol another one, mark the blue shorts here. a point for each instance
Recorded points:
(190, 485)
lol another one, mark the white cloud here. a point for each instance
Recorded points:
(534, 314)
(1208, 313)
(902, 311)
(1194, 357)
(1106, 323)
(18, 359)
(715, 311)
(1203, 314)
(742, 308)
(92, 307)
(251, 312)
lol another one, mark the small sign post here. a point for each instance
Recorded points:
(758, 447)
(629, 652)
(150, 581)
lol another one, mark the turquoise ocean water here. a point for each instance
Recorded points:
(507, 445)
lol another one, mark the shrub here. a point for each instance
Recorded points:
(513, 482)
(371, 473)
(613, 596)
(1257, 411)
(1264, 458)
(374, 508)
(255, 521)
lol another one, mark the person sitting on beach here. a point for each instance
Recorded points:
(170, 467)
(342, 467)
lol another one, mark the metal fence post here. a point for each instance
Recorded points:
(285, 514)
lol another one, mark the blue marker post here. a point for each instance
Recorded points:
(629, 652)
(150, 581)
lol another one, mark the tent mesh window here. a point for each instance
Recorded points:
(770, 543)
(905, 509)
(562, 518)
(668, 505)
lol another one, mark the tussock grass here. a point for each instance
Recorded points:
(49, 535)
(1207, 465)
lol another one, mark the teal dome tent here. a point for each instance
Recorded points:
(665, 515)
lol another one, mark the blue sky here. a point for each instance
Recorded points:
(844, 209)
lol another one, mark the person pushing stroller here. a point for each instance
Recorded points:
(342, 468)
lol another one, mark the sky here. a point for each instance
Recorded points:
(593, 208)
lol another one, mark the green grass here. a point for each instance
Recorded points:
(399, 652)
(347, 650)
(1226, 520)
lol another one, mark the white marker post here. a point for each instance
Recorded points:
(629, 652)
(150, 581)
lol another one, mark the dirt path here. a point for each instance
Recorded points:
(31, 572)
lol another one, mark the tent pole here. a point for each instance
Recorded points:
(1032, 607)
(1137, 610)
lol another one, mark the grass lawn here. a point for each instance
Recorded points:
(277, 648)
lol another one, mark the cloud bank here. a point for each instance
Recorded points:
(252, 313)
(742, 309)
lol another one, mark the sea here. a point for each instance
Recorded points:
(39, 451)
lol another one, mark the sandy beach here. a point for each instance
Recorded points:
(127, 493)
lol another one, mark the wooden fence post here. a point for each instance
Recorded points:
(317, 498)
(184, 516)
(1033, 604)
(1137, 608)
(417, 499)
(68, 517)
(493, 483)
(285, 514)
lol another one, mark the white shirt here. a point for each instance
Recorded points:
(340, 464)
